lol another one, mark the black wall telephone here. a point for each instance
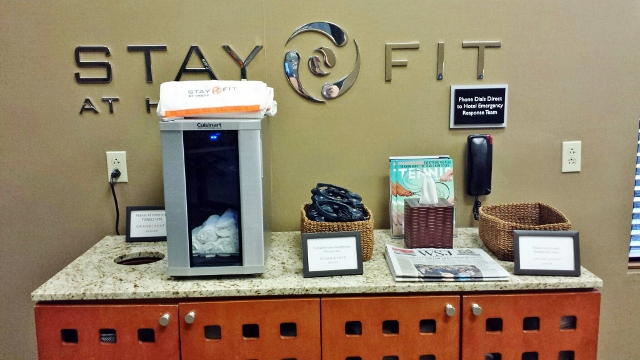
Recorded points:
(479, 163)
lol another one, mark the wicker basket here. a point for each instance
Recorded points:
(428, 226)
(365, 227)
(497, 223)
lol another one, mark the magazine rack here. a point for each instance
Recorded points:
(428, 226)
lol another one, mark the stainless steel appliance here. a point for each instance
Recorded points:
(217, 192)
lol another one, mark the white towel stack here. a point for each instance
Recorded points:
(218, 235)
(216, 99)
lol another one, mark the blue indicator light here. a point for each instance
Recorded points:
(214, 137)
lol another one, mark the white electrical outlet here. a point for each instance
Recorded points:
(117, 160)
(571, 156)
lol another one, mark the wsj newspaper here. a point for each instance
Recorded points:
(461, 264)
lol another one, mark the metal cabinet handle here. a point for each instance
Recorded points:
(476, 309)
(190, 317)
(450, 310)
(164, 320)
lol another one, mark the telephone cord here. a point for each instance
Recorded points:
(476, 207)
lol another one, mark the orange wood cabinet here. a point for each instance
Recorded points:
(397, 327)
(561, 326)
(251, 329)
(107, 331)
(530, 326)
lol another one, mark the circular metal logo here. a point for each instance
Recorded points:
(292, 62)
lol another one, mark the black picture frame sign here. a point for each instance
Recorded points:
(478, 106)
(549, 253)
(331, 253)
(146, 223)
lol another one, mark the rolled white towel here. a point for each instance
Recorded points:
(227, 218)
(210, 248)
(207, 234)
(226, 225)
(195, 231)
(212, 220)
(196, 247)
(227, 245)
(207, 231)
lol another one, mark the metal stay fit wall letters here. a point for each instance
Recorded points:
(317, 64)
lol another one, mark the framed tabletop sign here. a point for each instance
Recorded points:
(546, 253)
(331, 253)
(146, 223)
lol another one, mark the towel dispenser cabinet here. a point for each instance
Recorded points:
(217, 190)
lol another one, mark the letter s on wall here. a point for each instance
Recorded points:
(93, 64)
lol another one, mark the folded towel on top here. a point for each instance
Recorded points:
(216, 99)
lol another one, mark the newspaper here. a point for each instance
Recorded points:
(459, 264)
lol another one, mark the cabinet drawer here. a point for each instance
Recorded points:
(107, 332)
(251, 329)
(531, 326)
(407, 327)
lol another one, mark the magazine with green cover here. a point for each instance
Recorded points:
(405, 177)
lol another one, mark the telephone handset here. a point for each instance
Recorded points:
(479, 164)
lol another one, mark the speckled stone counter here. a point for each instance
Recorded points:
(96, 276)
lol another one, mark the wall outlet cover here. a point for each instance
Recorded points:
(571, 156)
(117, 160)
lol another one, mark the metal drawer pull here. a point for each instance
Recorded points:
(190, 317)
(164, 320)
(450, 310)
(476, 309)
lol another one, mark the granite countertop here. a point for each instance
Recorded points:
(96, 276)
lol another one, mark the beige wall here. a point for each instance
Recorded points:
(572, 69)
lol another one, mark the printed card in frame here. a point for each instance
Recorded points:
(331, 253)
(146, 223)
(551, 253)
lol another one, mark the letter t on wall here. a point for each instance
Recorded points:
(389, 62)
(147, 49)
(481, 45)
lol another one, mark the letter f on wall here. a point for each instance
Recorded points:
(388, 60)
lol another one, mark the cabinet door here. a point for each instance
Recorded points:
(107, 332)
(251, 329)
(560, 326)
(407, 327)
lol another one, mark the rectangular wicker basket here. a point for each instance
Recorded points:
(497, 223)
(428, 226)
(364, 227)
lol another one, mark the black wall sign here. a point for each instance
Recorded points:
(478, 106)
